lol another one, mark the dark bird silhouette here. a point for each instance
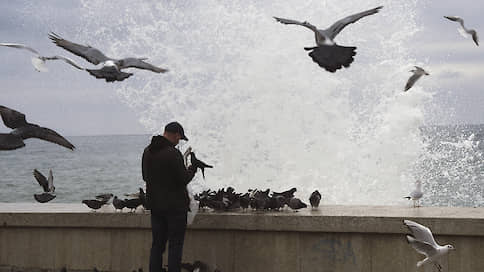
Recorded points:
(314, 199)
(44, 197)
(47, 185)
(112, 68)
(417, 73)
(464, 31)
(23, 130)
(132, 203)
(244, 201)
(296, 204)
(199, 164)
(118, 203)
(93, 203)
(286, 194)
(276, 203)
(38, 61)
(327, 54)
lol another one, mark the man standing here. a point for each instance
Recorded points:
(166, 194)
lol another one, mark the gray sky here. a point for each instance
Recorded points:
(74, 103)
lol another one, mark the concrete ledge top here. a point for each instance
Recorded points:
(360, 219)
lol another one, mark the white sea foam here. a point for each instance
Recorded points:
(256, 106)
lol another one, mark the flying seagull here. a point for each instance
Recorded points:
(47, 185)
(38, 61)
(464, 31)
(327, 53)
(23, 130)
(111, 68)
(416, 194)
(423, 242)
(417, 73)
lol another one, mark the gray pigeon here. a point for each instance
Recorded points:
(417, 73)
(23, 130)
(296, 204)
(118, 203)
(47, 185)
(93, 203)
(44, 197)
(327, 54)
(465, 31)
(38, 61)
(314, 199)
(111, 70)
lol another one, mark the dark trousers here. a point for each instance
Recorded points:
(171, 228)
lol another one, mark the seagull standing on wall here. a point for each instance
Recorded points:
(38, 61)
(111, 68)
(327, 53)
(464, 31)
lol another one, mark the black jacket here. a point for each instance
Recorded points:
(166, 177)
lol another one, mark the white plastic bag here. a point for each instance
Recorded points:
(193, 206)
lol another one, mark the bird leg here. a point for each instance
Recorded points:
(439, 267)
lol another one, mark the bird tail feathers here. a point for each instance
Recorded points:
(332, 57)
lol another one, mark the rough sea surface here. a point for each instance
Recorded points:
(452, 170)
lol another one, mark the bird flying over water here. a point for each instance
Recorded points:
(23, 130)
(38, 61)
(327, 53)
(422, 240)
(463, 30)
(417, 73)
(47, 185)
(111, 68)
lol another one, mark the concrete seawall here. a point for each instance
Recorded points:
(333, 238)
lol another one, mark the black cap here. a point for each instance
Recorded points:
(175, 127)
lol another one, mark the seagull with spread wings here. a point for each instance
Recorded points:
(464, 31)
(111, 68)
(424, 243)
(418, 72)
(327, 53)
(38, 61)
(23, 130)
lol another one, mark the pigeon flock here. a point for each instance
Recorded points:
(326, 53)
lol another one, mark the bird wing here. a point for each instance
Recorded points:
(42, 180)
(47, 134)
(20, 46)
(67, 60)
(475, 37)
(339, 25)
(87, 52)
(12, 118)
(420, 232)
(50, 181)
(412, 81)
(294, 22)
(455, 19)
(141, 64)
(421, 247)
(10, 141)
